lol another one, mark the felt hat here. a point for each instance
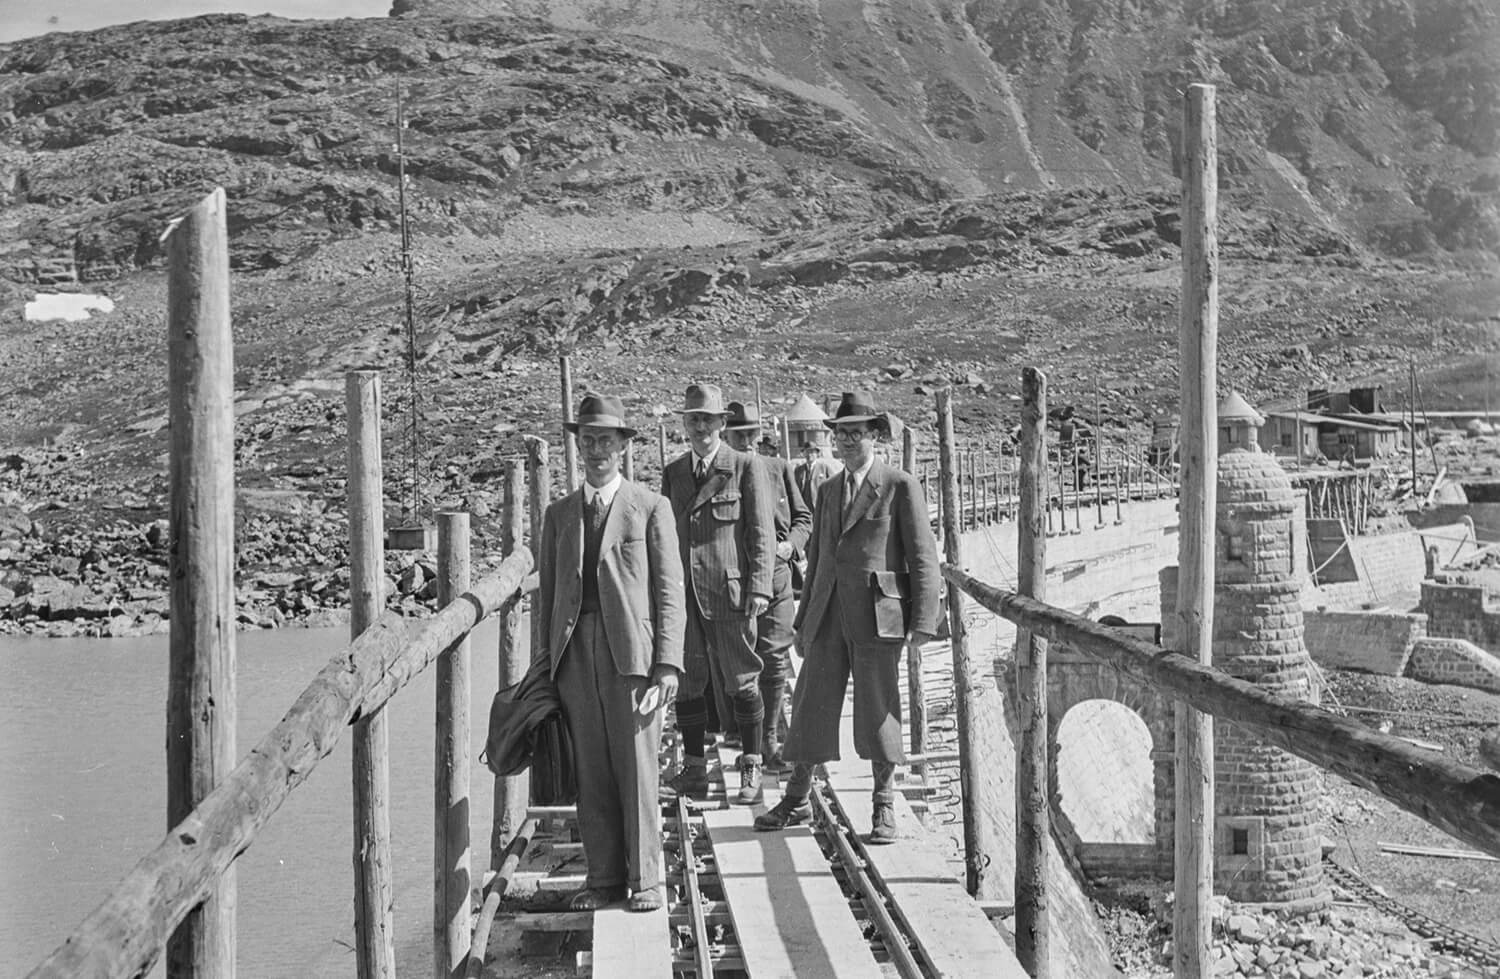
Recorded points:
(600, 411)
(742, 416)
(703, 398)
(857, 406)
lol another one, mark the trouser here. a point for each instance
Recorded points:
(614, 753)
(773, 643)
(725, 650)
(829, 662)
(799, 785)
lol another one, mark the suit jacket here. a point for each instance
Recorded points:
(793, 511)
(884, 546)
(640, 580)
(810, 476)
(726, 530)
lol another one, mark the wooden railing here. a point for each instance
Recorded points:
(1454, 797)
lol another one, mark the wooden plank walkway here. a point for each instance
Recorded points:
(951, 931)
(631, 944)
(790, 913)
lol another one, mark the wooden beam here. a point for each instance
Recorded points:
(374, 891)
(570, 447)
(975, 699)
(200, 687)
(512, 792)
(124, 935)
(539, 494)
(1033, 813)
(494, 892)
(916, 693)
(1198, 354)
(451, 865)
(1454, 797)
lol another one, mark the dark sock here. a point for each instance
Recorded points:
(749, 717)
(692, 724)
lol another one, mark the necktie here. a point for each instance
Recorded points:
(851, 489)
(700, 471)
(596, 512)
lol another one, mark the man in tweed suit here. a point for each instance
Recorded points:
(773, 634)
(872, 586)
(726, 529)
(609, 591)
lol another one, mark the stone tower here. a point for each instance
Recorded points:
(1266, 843)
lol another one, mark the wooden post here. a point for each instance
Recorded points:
(628, 465)
(374, 891)
(570, 447)
(540, 494)
(450, 845)
(200, 685)
(1032, 813)
(975, 699)
(916, 689)
(786, 442)
(661, 445)
(1198, 343)
(512, 792)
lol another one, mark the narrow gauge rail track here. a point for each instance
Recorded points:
(1443, 936)
(705, 939)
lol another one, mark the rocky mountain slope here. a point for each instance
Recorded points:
(811, 197)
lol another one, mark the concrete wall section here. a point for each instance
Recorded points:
(1374, 642)
(1459, 610)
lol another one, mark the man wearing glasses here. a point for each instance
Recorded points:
(872, 586)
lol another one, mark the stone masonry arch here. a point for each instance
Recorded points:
(1074, 677)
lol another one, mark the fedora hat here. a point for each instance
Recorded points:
(703, 398)
(600, 411)
(857, 406)
(742, 416)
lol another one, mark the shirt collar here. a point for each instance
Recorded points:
(605, 493)
(707, 460)
(857, 477)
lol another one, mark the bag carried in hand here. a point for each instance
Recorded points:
(527, 729)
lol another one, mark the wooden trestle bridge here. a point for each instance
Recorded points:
(806, 903)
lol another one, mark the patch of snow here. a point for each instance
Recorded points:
(70, 306)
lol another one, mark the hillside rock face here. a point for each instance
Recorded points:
(1379, 117)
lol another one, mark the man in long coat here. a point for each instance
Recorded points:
(773, 633)
(727, 534)
(872, 587)
(609, 591)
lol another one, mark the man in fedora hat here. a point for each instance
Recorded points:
(773, 634)
(726, 530)
(609, 595)
(872, 587)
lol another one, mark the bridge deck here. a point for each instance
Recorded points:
(952, 933)
(774, 906)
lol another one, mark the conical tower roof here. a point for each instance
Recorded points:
(1236, 408)
(805, 414)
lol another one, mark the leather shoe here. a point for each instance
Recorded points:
(594, 898)
(787, 812)
(648, 900)
(882, 825)
(751, 791)
(775, 764)
(690, 781)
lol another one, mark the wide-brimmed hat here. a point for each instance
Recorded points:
(703, 398)
(600, 411)
(742, 416)
(857, 406)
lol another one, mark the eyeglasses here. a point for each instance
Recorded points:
(852, 434)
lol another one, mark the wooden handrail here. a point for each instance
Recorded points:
(1454, 797)
(125, 934)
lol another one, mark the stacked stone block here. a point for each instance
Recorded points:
(1266, 841)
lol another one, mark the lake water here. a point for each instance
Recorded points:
(83, 798)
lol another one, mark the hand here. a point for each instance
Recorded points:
(784, 550)
(663, 689)
(758, 605)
